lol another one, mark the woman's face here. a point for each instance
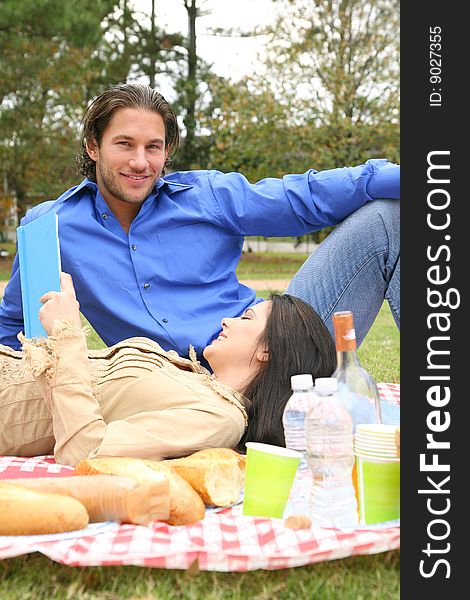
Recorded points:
(237, 343)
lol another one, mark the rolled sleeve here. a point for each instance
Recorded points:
(385, 182)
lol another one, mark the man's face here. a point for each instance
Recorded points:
(131, 156)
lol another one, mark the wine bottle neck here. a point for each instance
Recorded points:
(347, 357)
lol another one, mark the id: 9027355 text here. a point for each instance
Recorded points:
(435, 66)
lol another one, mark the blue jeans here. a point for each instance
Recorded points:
(355, 268)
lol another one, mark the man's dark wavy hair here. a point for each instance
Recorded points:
(100, 112)
(297, 341)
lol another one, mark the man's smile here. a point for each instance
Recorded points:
(134, 177)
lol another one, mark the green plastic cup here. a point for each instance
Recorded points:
(378, 486)
(270, 473)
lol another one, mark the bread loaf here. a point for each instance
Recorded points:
(217, 474)
(110, 498)
(186, 506)
(216, 454)
(28, 512)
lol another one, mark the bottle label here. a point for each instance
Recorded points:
(345, 334)
(346, 340)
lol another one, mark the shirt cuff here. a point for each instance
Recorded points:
(62, 357)
(385, 183)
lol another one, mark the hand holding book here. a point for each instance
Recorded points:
(61, 305)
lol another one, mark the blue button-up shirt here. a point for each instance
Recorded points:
(172, 277)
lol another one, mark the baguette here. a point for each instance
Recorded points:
(110, 498)
(186, 506)
(29, 512)
(217, 474)
(216, 454)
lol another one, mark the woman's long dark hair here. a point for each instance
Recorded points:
(297, 342)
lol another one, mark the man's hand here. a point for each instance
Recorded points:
(61, 305)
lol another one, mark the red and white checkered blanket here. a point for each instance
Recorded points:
(222, 541)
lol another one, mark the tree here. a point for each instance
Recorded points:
(329, 98)
(55, 57)
(133, 47)
(45, 52)
(193, 94)
(337, 61)
(191, 82)
(254, 133)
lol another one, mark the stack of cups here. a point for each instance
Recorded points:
(377, 458)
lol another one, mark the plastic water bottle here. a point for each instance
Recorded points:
(294, 432)
(330, 457)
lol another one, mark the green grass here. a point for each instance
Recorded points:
(372, 577)
(5, 263)
(94, 341)
(375, 577)
(269, 265)
(380, 351)
(5, 270)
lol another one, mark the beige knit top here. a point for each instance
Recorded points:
(131, 399)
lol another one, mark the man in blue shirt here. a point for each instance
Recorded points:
(155, 255)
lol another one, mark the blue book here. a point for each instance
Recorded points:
(39, 256)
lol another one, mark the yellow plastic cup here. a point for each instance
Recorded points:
(378, 486)
(269, 475)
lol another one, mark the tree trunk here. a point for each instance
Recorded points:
(191, 85)
(152, 47)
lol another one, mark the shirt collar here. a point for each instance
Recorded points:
(74, 191)
(171, 187)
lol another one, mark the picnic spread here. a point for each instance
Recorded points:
(223, 540)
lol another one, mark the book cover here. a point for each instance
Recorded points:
(39, 257)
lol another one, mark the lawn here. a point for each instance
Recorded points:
(375, 577)
(269, 265)
(5, 263)
(35, 577)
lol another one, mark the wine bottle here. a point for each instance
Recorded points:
(356, 388)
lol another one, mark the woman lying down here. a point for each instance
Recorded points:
(135, 399)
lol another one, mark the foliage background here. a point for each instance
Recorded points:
(328, 96)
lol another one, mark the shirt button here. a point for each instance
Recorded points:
(146, 285)
(134, 247)
(165, 320)
(105, 216)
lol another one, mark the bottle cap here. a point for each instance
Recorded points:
(326, 385)
(301, 382)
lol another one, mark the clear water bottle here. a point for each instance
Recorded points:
(293, 421)
(330, 457)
